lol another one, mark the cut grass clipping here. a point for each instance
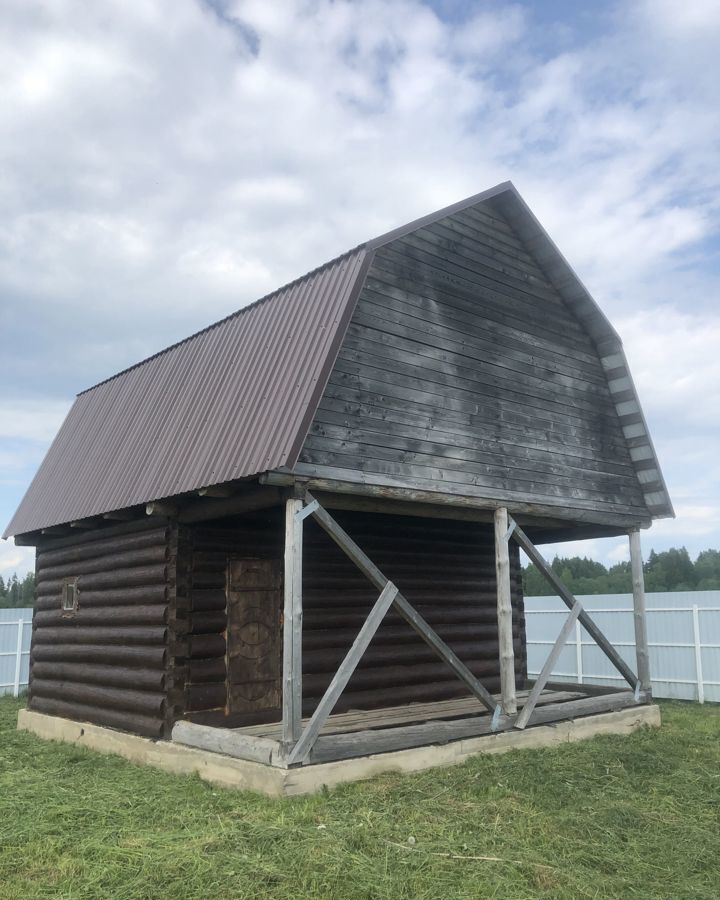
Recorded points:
(622, 817)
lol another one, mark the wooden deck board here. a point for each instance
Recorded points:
(388, 717)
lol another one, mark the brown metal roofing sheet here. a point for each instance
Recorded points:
(231, 401)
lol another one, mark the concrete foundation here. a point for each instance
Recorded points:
(229, 772)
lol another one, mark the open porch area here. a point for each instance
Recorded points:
(470, 722)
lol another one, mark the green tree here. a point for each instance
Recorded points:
(14, 591)
(670, 570)
(17, 593)
(619, 579)
(707, 570)
(534, 584)
(27, 590)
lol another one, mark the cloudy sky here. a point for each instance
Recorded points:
(164, 163)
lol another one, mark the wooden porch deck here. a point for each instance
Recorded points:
(407, 714)
(368, 732)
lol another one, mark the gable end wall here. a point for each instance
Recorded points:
(463, 370)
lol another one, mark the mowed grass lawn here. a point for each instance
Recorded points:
(613, 817)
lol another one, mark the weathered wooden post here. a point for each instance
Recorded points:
(292, 623)
(504, 613)
(641, 639)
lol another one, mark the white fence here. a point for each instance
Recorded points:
(683, 641)
(15, 634)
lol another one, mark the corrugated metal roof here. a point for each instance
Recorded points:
(237, 398)
(230, 401)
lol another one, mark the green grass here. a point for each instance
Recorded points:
(622, 817)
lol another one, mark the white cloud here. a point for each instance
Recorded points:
(163, 166)
(595, 548)
(691, 523)
(31, 419)
(675, 363)
(20, 560)
(350, 119)
(691, 20)
(620, 552)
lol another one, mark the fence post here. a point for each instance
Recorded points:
(578, 652)
(18, 658)
(698, 654)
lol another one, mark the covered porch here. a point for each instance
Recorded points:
(325, 736)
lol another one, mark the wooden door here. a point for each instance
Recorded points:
(254, 635)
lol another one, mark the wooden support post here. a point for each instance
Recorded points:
(641, 639)
(292, 624)
(504, 614)
(569, 600)
(343, 674)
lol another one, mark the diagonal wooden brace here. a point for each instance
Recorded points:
(569, 600)
(401, 604)
(342, 676)
(546, 672)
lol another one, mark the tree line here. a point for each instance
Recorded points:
(17, 592)
(671, 570)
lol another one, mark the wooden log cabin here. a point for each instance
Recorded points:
(294, 536)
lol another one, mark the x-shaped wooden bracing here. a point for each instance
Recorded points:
(577, 613)
(390, 596)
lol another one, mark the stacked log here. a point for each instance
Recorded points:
(106, 662)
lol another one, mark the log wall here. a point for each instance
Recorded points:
(209, 547)
(445, 568)
(147, 642)
(108, 662)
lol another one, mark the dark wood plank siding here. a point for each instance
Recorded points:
(108, 661)
(445, 568)
(463, 370)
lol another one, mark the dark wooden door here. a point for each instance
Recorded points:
(254, 635)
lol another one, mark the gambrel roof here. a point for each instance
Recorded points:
(237, 399)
